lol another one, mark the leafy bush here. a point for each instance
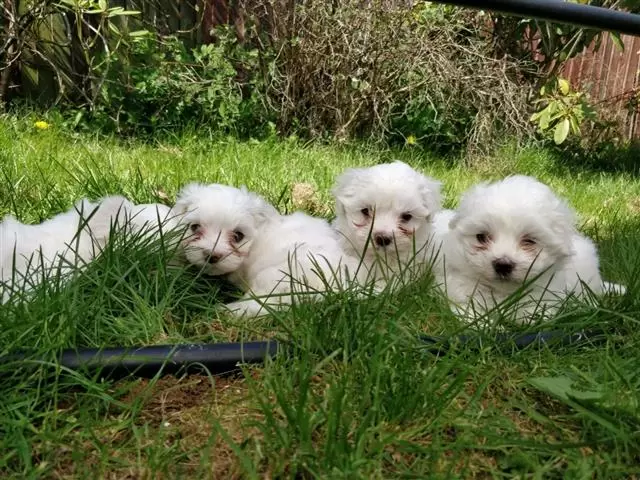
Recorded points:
(158, 84)
(388, 73)
(564, 110)
(581, 130)
(49, 48)
(433, 74)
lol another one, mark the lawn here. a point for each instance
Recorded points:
(357, 397)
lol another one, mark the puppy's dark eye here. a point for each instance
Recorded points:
(365, 212)
(528, 242)
(482, 238)
(405, 217)
(238, 236)
(194, 227)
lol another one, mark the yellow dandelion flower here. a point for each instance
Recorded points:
(41, 125)
(411, 140)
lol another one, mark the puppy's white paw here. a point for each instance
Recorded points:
(614, 288)
(246, 308)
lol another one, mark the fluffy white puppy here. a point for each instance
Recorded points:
(149, 214)
(66, 241)
(222, 224)
(384, 216)
(508, 234)
(150, 218)
(237, 233)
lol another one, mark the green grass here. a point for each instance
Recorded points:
(357, 397)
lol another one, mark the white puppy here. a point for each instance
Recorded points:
(66, 241)
(508, 234)
(384, 214)
(150, 214)
(150, 218)
(237, 233)
(222, 224)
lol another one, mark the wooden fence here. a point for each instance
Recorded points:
(612, 79)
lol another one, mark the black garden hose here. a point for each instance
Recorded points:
(226, 358)
(149, 361)
(560, 12)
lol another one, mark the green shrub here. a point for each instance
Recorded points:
(342, 70)
(387, 73)
(158, 84)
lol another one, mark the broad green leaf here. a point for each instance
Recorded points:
(564, 86)
(545, 118)
(139, 33)
(575, 126)
(562, 131)
(113, 28)
(125, 12)
(617, 41)
(562, 388)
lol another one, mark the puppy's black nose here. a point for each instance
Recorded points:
(213, 259)
(503, 266)
(382, 240)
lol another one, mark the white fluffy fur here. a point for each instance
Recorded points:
(149, 218)
(69, 239)
(277, 255)
(149, 214)
(508, 233)
(383, 216)
(222, 224)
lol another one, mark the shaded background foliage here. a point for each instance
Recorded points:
(392, 71)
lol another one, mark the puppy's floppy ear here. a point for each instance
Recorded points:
(346, 187)
(453, 223)
(341, 211)
(258, 207)
(554, 211)
(563, 220)
(430, 194)
(348, 183)
(468, 199)
(186, 197)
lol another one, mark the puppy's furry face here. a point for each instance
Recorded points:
(391, 203)
(222, 223)
(512, 230)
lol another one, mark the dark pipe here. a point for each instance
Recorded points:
(146, 362)
(224, 358)
(560, 12)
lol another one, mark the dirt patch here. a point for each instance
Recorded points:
(193, 409)
(170, 394)
(177, 421)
